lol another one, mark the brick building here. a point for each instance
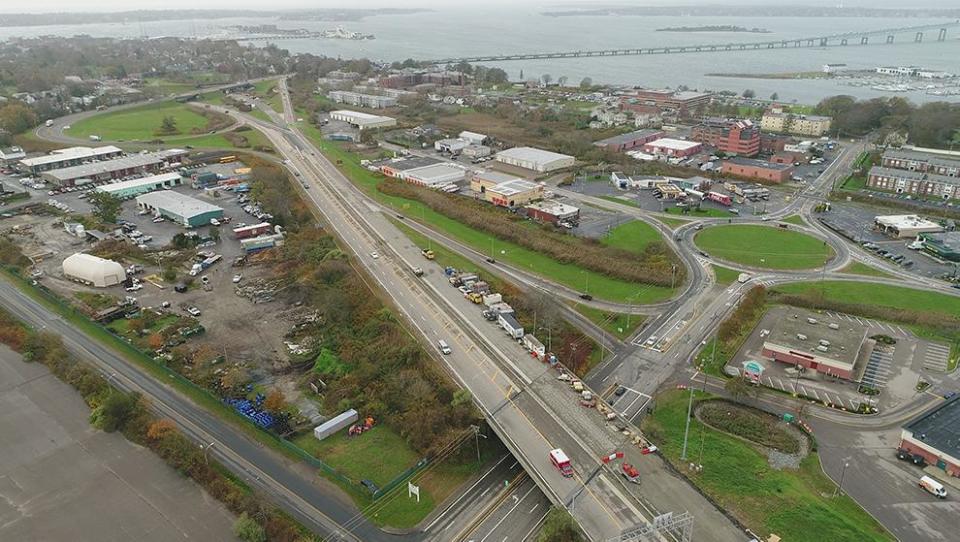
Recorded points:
(935, 436)
(757, 169)
(732, 136)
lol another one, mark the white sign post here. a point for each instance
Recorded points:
(413, 490)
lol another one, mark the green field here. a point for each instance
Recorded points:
(617, 324)
(264, 89)
(762, 246)
(857, 268)
(139, 123)
(883, 295)
(633, 236)
(797, 505)
(725, 275)
(572, 276)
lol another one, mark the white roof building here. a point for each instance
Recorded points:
(363, 121)
(535, 159)
(70, 155)
(92, 270)
(135, 187)
(906, 225)
(473, 137)
(435, 175)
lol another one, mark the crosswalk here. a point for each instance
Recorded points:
(936, 357)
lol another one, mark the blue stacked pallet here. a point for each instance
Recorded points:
(246, 408)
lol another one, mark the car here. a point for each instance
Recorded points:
(620, 391)
(586, 297)
(651, 341)
(491, 260)
(237, 278)
(135, 287)
(158, 219)
(214, 222)
(444, 347)
(193, 311)
(374, 255)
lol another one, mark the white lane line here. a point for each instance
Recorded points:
(505, 516)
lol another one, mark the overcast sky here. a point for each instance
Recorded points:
(37, 6)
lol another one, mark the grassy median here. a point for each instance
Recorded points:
(764, 247)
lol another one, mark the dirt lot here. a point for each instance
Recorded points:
(62, 480)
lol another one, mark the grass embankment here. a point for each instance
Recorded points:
(857, 268)
(140, 123)
(857, 180)
(794, 504)
(672, 223)
(598, 285)
(725, 275)
(269, 92)
(881, 295)
(794, 219)
(617, 324)
(632, 236)
(764, 247)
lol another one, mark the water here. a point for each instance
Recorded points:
(467, 32)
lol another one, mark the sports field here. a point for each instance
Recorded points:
(763, 246)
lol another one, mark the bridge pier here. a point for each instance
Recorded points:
(890, 38)
(797, 44)
(810, 43)
(942, 35)
(864, 40)
(918, 38)
(823, 42)
(843, 41)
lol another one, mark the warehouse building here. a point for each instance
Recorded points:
(397, 168)
(905, 226)
(179, 208)
(945, 246)
(505, 190)
(108, 170)
(553, 212)
(372, 101)
(757, 169)
(90, 269)
(535, 159)
(935, 436)
(668, 146)
(625, 142)
(732, 136)
(68, 157)
(476, 151)
(473, 138)
(453, 146)
(818, 342)
(436, 175)
(135, 187)
(363, 121)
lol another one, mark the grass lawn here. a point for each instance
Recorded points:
(883, 295)
(139, 123)
(264, 89)
(794, 219)
(672, 223)
(379, 454)
(725, 275)
(762, 246)
(857, 268)
(698, 213)
(617, 324)
(165, 87)
(797, 505)
(633, 236)
(572, 276)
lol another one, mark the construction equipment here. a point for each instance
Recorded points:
(630, 473)
(428, 254)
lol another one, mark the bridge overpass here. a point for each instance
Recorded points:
(914, 34)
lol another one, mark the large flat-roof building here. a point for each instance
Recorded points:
(935, 435)
(732, 136)
(905, 226)
(182, 209)
(631, 140)
(363, 121)
(757, 169)
(534, 159)
(106, 170)
(435, 175)
(11, 155)
(681, 102)
(945, 246)
(135, 187)
(63, 158)
(818, 342)
(505, 190)
(553, 212)
(398, 167)
(668, 146)
(373, 101)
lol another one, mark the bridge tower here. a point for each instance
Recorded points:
(942, 35)
(667, 526)
(918, 38)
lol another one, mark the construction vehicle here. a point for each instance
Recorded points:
(475, 297)
(630, 473)
(428, 254)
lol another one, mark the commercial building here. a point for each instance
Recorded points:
(667, 146)
(777, 120)
(10, 155)
(106, 170)
(757, 169)
(773, 143)
(732, 136)
(682, 103)
(453, 146)
(534, 159)
(505, 190)
(90, 269)
(179, 208)
(435, 176)
(473, 138)
(363, 121)
(398, 167)
(945, 246)
(476, 151)
(819, 342)
(912, 71)
(624, 142)
(372, 101)
(135, 187)
(553, 212)
(905, 226)
(935, 436)
(64, 158)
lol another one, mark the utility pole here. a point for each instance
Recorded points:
(686, 431)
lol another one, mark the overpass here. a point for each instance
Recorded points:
(914, 34)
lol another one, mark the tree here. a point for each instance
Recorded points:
(495, 76)
(169, 274)
(559, 527)
(562, 80)
(160, 428)
(248, 530)
(16, 118)
(749, 93)
(774, 97)
(115, 411)
(586, 83)
(739, 388)
(168, 125)
(546, 78)
(106, 206)
(275, 401)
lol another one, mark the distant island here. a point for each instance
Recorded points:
(144, 15)
(714, 28)
(771, 10)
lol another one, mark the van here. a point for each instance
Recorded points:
(444, 347)
(933, 487)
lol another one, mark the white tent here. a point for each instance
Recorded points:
(92, 270)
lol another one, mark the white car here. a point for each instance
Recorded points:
(135, 287)
(374, 255)
(193, 311)
(237, 278)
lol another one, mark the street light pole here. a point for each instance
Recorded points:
(842, 474)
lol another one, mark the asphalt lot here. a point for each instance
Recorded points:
(60, 479)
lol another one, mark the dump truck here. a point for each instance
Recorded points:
(428, 254)
(492, 299)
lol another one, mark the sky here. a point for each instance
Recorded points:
(41, 6)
